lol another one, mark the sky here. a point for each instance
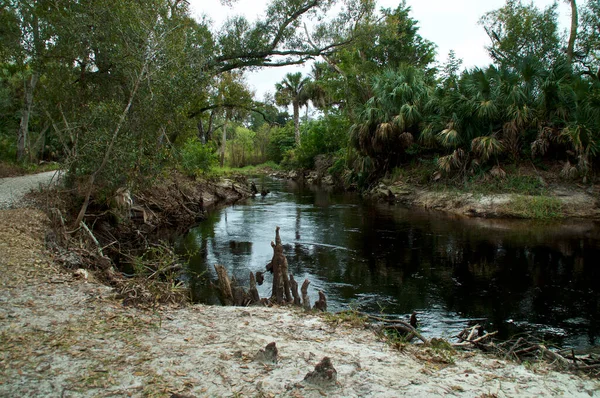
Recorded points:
(451, 25)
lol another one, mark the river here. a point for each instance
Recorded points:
(521, 276)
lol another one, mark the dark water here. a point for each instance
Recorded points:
(521, 276)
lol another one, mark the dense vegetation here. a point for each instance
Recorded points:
(118, 92)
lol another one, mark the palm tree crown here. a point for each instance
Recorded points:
(293, 90)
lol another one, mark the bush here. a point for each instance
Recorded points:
(281, 140)
(194, 157)
(324, 136)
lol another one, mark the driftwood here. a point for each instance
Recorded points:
(398, 325)
(473, 336)
(305, 298)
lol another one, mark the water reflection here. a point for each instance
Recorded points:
(519, 275)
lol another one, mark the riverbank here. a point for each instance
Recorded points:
(556, 202)
(65, 335)
(522, 192)
(125, 240)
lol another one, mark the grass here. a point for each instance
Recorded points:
(247, 170)
(420, 172)
(349, 317)
(534, 207)
(518, 184)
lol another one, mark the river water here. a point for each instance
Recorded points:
(521, 276)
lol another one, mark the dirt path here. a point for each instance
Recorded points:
(12, 189)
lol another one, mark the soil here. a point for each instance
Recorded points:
(62, 334)
(573, 203)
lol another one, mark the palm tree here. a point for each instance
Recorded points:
(389, 121)
(292, 90)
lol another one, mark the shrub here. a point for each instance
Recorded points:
(195, 156)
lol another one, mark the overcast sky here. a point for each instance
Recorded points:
(451, 25)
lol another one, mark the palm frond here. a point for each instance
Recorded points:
(486, 146)
(568, 171)
(448, 137)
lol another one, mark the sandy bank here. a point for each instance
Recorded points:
(61, 335)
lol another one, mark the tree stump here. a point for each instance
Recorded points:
(225, 290)
(267, 355)
(240, 297)
(305, 298)
(259, 278)
(321, 303)
(253, 292)
(294, 288)
(324, 374)
(279, 266)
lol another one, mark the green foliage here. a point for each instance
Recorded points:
(350, 317)
(281, 141)
(197, 157)
(323, 136)
(588, 45)
(520, 31)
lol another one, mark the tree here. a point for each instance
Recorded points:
(235, 98)
(389, 121)
(573, 31)
(588, 45)
(386, 39)
(519, 31)
(293, 90)
(450, 70)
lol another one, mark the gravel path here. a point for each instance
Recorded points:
(12, 189)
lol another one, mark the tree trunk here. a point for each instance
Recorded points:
(224, 142)
(296, 107)
(573, 34)
(25, 116)
(108, 151)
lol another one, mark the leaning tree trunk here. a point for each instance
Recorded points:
(25, 116)
(573, 34)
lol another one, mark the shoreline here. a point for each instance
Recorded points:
(559, 201)
(63, 334)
